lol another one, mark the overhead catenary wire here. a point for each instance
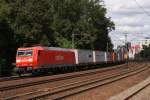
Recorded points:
(118, 38)
(144, 10)
(121, 42)
(141, 7)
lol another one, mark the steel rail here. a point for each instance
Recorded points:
(11, 87)
(56, 89)
(136, 92)
(59, 94)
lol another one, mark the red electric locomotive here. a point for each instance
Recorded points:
(40, 59)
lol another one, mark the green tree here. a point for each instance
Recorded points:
(7, 50)
(52, 23)
(48, 20)
(145, 53)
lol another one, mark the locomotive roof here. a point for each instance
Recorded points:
(56, 48)
(45, 48)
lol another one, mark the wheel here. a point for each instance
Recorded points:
(19, 74)
(34, 73)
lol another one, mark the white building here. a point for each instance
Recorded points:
(145, 42)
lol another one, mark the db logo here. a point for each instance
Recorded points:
(59, 57)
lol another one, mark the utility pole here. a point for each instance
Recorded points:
(73, 41)
(126, 46)
(107, 47)
(73, 38)
(126, 39)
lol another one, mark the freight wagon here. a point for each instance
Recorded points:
(43, 59)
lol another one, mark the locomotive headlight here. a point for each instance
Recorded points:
(30, 60)
(18, 60)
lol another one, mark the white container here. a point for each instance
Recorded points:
(99, 56)
(83, 56)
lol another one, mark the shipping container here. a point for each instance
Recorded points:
(99, 56)
(109, 57)
(83, 56)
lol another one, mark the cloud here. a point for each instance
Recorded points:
(129, 17)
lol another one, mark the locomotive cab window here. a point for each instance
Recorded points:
(20, 53)
(24, 53)
(28, 53)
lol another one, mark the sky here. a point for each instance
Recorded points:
(131, 17)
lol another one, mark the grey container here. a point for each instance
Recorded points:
(99, 56)
(83, 56)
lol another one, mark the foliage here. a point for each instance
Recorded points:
(47, 20)
(145, 53)
(53, 23)
(7, 50)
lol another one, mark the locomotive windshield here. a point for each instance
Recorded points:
(24, 53)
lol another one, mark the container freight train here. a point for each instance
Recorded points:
(43, 59)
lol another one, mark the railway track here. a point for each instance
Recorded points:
(2, 79)
(136, 92)
(11, 78)
(32, 83)
(75, 87)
